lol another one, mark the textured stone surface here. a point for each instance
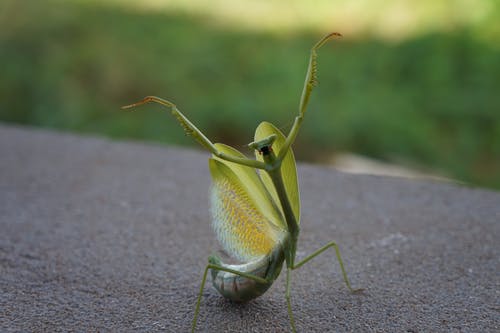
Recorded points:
(113, 236)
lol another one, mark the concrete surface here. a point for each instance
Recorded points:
(111, 236)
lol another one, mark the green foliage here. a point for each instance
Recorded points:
(431, 101)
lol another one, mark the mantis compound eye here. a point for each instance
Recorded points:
(266, 150)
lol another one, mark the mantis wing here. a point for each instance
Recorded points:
(288, 168)
(246, 221)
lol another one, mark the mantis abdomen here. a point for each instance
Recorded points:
(241, 288)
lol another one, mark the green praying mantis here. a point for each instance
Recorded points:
(256, 214)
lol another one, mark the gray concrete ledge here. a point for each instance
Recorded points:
(113, 236)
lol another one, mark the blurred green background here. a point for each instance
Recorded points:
(412, 82)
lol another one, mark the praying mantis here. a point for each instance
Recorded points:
(255, 205)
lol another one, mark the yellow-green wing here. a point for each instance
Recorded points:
(288, 167)
(254, 186)
(239, 222)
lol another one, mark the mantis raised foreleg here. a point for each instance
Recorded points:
(193, 131)
(309, 84)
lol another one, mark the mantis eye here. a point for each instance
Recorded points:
(265, 150)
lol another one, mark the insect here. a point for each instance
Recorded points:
(256, 213)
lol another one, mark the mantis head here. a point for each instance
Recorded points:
(263, 146)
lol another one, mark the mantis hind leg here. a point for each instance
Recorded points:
(339, 258)
(308, 258)
(204, 279)
(288, 300)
